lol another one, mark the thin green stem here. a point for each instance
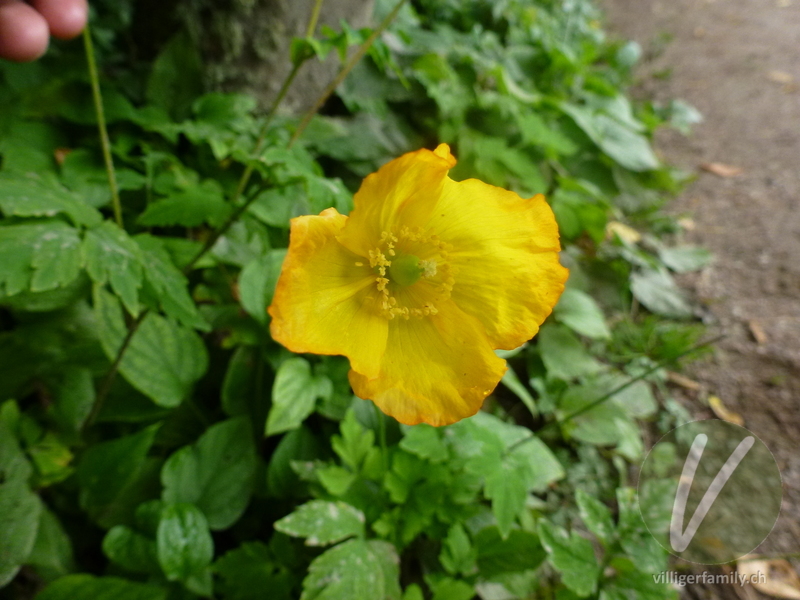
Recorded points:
(605, 397)
(352, 62)
(312, 22)
(101, 125)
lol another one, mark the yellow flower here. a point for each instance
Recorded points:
(418, 286)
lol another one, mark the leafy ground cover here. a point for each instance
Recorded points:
(156, 443)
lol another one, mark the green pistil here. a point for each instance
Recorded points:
(405, 270)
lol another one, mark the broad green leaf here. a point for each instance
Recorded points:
(108, 469)
(323, 523)
(176, 78)
(204, 203)
(578, 311)
(538, 133)
(573, 557)
(684, 259)
(73, 398)
(112, 256)
(184, 542)
(163, 359)
(32, 195)
(563, 354)
(457, 555)
(38, 257)
(169, 283)
(297, 445)
(294, 395)
(257, 283)
(249, 570)
(216, 473)
(89, 587)
(239, 389)
(354, 569)
(595, 515)
(519, 551)
(659, 293)
(451, 589)
(20, 508)
(131, 550)
(51, 555)
(598, 425)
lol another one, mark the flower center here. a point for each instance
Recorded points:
(406, 270)
(404, 259)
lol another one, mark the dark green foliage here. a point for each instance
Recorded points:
(217, 462)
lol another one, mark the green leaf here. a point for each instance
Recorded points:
(539, 134)
(354, 569)
(451, 589)
(177, 76)
(257, 283)
(111, 255)
(163, 359)
(239, 387)
(294, 395)
(216, 474)
(204, 203)
(20, 508)
(659, 293)
(630, 583)
(572, 556)
(131, 550)
(426, 442)
(323, 523)
(51, 555)
(89, 587)
(563, 354)
(458, 555)
(32, 195)
(617, 139)
(355, 443)
(108, 469)
(73, 398)
(639, 544)
(578, 311)
(185, 546)
(297, 445)
(249, 570)
(519, 551)
(512, 382)
(596, 516)
(38, 257)
(169, 283)
(685, 259)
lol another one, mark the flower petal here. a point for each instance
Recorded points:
(505, 251)
(403, 191)
(323, 302)
(436, 370)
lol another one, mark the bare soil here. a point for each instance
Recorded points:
(738, 62)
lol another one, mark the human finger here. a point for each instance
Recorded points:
(24, 34)
(65, 18)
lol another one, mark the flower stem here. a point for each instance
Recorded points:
(312, 22)
(101, 125)
(362, 50)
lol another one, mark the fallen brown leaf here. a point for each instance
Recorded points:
(681, 380)
(723, 413)
(758, 332)
(773, 577)
(721, 170)
(781, 77)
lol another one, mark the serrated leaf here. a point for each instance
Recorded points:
(573, 556)
(595, 515)
(323, 523)
(204, 203)
(457, 555)
(426, 442)
(639, 544)
(216, 474)
(163, 359)
(294, 395)
(354, 569)
(659, 293)
(257, 283)
(169, 283)
(32, 195)
(184, 542)
(355, 443)
(38, 257)
(112, 256)
(89, 587)
(578, 311)
(519, 551)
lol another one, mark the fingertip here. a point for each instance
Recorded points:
(65, 18)
(24, 34)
